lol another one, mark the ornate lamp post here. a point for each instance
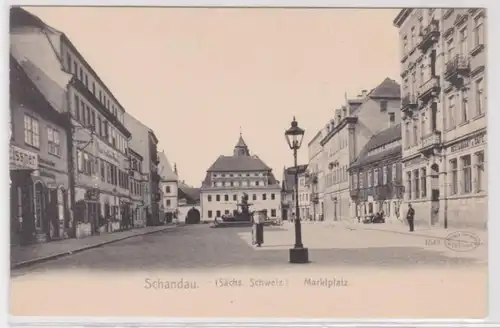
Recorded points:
(294, 136)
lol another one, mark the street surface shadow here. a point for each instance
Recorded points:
(201, 247)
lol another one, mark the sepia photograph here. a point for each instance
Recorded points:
(248, 162)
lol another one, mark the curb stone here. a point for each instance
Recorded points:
(84, 248)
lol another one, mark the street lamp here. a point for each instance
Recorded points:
(294, 136)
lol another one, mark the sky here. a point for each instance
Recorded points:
(197, 76)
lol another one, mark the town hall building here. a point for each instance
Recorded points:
(229, 177)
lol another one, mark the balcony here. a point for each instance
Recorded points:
(429, 89)
(430, 142)
(409, 102)
(429, 35)
(457, 68)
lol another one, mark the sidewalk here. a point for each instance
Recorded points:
(420, 231)
(21, 256)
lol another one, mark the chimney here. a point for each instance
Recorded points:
(364, 93)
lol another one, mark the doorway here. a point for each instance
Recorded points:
(434, 194)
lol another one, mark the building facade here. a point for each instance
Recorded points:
(443, 67)
(304, 193)
(98, 150)
(144, 141)
(376, 176)
(229, 177)
(40, 189)
(346, 135)
(137, 189)
(316, 178)
(169, 188)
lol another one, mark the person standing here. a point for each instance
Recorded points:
(410, 216)
(259, 228)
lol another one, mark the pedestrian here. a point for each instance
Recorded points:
(410, 216)
(258, 230)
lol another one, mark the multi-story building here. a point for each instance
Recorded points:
(99, 161)
(137, 188)
(443, 67)
(346, 135)
(144, 141)
(229, 177)
(376, 176)
(169, 188)
(316, 176)
(289, 189)
(39, 190)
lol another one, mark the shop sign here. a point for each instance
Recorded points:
(23, 159)
(102, 149)
(473, 141)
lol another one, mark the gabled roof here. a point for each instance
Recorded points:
(388, 89)
(165, 169)
(238, 163)
(382, 138)
(192, 195)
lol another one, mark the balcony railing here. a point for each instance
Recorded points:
(430, 141)
(457, 67)
(429, 35)
(429, 89)
(408, 102)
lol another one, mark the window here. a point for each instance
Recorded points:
(100, 95)
(93, 121)
(273, 196)
(209, 214)
(93, 88)
(103, 171)
(375, 177)
(383, 105)
(454, 177)
(54, 143)
(167, 189)
(478, 32)
(361, 182)
(463, 41)
(86, 80)
(226, 212)
(235, 197)
(273, 213)
(217, 198)
(264, 196)
(209, 198)
(354, 181)
(465, 107)
(254, 197)
(392, 117)
(99, 126)
(479, 97)
(68, 61)
(409, 189)
(75, 68)
(393, 173)
(423, 182)
(217, 213)
(415, 133)
(467, 174)
(31, 131)
(87, 111)
(451, 112)
(257, 183)
(384, 175)
(168, 202)
(449, 50)
(407, 134)
(405, 45)
(83, 117)
(369, 178)
(226, 198)
(417, 184)
(480, 171)
(422, 75)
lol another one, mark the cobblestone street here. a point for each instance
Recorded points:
(202, 247)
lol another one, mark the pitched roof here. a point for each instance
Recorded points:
(241, 143)
(388, 89)
(191, 194)
(238, 163)
(165, 169)
(382, 138)
(289, 176)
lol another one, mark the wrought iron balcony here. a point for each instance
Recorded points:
(430, 141)
(429, 89)
(457, 68)
(429, 35)
(409, 102)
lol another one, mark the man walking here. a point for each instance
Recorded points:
(410, 217)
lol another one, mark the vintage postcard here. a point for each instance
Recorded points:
(248, 162)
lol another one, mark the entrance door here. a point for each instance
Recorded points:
(434, 194)
(39, 208)
(284, 214)
(53, 214)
